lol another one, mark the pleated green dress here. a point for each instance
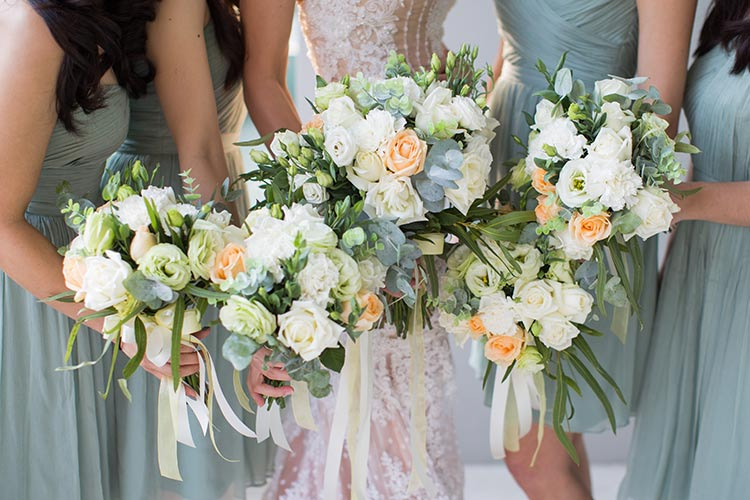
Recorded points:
(206, 476)
(601, 38)
(691, 438)
(56, 434)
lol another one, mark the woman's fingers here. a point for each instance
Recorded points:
(277, 373)
(274, 392)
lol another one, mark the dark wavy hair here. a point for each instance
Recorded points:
(728, 25)
(94, 40)
(226, 21)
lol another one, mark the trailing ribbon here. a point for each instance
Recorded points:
(511, 414)
(268, 423)
(301, 406)
(359, 436)
(418, 425)
(621, 314)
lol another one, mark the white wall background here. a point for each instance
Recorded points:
(472, 22)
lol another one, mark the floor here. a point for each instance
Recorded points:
(494, 482)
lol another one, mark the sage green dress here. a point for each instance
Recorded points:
(205, 474)
(601, 38)
(691, 438)
(56, 434)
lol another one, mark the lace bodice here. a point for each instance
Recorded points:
(348, 36)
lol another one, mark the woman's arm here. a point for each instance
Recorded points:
(664, 29)
(183, 82)
(497, 66)
(719, 202)
(267, 26)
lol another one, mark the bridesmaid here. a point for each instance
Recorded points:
(188, 120)
(691, 440)
(63, 115)
(602, 37)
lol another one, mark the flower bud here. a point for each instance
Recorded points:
(324, 178)
(175, 218)
(142, 242)
(293, 149)
(435, 63)
(353, 237)
(282, 161)
(317, 136)
(260, 157)
(276, 211)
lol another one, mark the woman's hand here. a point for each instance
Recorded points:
(256, 378)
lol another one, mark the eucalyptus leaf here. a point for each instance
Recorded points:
(148, 291)
(239, 350)
(614, 292)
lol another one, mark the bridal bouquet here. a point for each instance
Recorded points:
(139, 262)
(408, 150)
(295, 289)
(528, 311)
(601, 166)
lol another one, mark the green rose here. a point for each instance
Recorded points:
(205, 242)
(324, 95)
(559, 268)
(248, 318)
(99, 233)
(530, 360)
(350, 281)
(166, 264)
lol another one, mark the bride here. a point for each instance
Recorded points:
(346, 37)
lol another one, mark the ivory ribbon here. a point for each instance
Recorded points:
(268, 423)
(511, 414)
(418, 425)
(431, 243)
(339, 424)
(621, 314)
(301, 406)
(359, 438)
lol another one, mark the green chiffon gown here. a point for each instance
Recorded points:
(56, 434)
(601, 39)
(691, 438)
(206, 475)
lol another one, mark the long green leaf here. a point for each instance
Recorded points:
(558, 413)
(203, 293)
(179, 316)
(589, 378)
(634, 248)
(583, 346)
(58, 297)
(513, 218)
(116, 342)
(601, 278)
(140, 341)
(255, 142)
(71, 340)
(622, 273)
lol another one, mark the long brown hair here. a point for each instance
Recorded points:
(728, 25)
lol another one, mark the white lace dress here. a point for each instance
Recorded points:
(348, 36)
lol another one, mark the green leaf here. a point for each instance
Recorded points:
(564, 82)
(71, 340)
(508, 371)
(203, 293)
(256, 142)
(239, 350)
(583, 346)
(558, 413)
(333, 358)
(634, 248)
(487, 372)
(601, 277)
(594, 385)
(123, 383)
(60, 297)
(177, 321)
(513, 218)
(622, 272)
(140, 340)
(588, 330)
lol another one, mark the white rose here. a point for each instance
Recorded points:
(314, 193)
(103, 282)
(498, 314)
(340, 144)
(614, 183)
(368, 167)
(655, 208)
(617, 118)
(132, 212)
(473, 184)
(285, 138)
(436, 116)
(612, 86)
(376, 130)
(221, 219)
(373, 274)
(317, 279)
(560, 134)
(470, 115)
(307, 330)
(572, 301)
(557, 333)
(323, 95)
(534, 301)
(187, 210)
(394, 197)
(341, 112)
(572, 185)
(543, 115)
(161, 197)
(571, 247)
(611, 145)
(305, 220)
(481, 280)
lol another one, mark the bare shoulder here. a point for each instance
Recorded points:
(24, 36)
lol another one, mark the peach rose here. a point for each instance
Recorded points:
(589, 230)
(476, 327)
(545, 211)
(539, 183)
(229, 263)
(372, 311)
(503, 349)
(74, 269)
(405, 153)
(315, 122)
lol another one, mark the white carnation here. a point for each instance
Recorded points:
(614, 183)
(561, 134)
(372, 133)
(470, 115)
(498, 314)
(317, 279)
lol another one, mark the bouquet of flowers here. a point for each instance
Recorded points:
(293, 287)
(409, 150)
(601, 167)
(140, 263)
(529, 318)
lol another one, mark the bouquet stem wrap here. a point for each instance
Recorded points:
(301, 405)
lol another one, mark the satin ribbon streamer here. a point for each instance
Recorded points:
(511, 414)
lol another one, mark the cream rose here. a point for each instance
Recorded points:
(617, 118)
(534, 301)
(307, 330)
(102, 284)
(612, 86)
(368, 167)
(373, 274)
(611, 145)
(394, 197)
(339, 143)
(572, 301)
(475, 171)
(655, 209)
(557, 333)
(314, 193)
(341, 112)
